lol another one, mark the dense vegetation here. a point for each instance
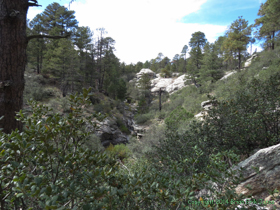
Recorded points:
(57, 162)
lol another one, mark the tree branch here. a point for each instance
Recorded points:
(34, 3)
(40, 36)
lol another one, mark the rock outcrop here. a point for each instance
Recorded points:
(109, 133)
(206, 105)
(228, 74)
(109, 130)
(145, 71)
(249, 61)
(261, 173)
(169, 85)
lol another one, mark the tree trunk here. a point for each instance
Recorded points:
(13, 45)
(159, 99)
(273, 35)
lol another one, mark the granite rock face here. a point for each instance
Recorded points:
(261, 175)
(109, 133)
(145, 71)
(169, 85)
(249, 61)
(261, 171)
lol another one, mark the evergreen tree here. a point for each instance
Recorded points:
(36, 46)
(184, 53)
(197, 42)
(58, 20)
(63, 63)
(82, 40)
(238, 37)
(269, 22)
(211, 67)
(175, 63)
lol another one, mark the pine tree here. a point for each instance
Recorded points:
(238, 37)
(36, 47)
(211, 66)
(13, 59)
(197, 42)
(184, 53)
(269, 22)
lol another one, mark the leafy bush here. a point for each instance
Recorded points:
(248, 121)
(122, 125)
(48, 166)
(177, 117)
(120, 151)
(151, 137)
(143, 118)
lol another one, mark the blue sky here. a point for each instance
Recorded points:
(224, 12)
(144, 28)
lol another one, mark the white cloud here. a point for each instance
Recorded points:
(143, 28)
(32, 12)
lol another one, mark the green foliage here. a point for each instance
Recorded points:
(238, 37)
(211, 65)
(48, 166)
(165, 72)
(198, 40)
(248, 121)
(150, 137)
(177, 117)
(143, 118)
(122, 125)
(269, 23)
(120, 151)
(34, 88)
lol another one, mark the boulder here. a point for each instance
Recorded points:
(249, 61)
(160, 83)
(169, 85)
(228, 74)
(109, 133)
(146, 71)
(177, 84)
(206, 105)
(261, 172)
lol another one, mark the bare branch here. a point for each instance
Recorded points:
(33, 5)
(40, 36)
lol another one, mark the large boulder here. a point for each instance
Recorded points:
(177, 84)
(109, 133)
(169, 85)
(160, 83)
(249, 61)
(146, 71)
(261, 173)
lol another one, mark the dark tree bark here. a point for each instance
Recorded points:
(13, 45)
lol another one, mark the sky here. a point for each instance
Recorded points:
(144, 28)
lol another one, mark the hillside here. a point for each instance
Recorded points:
(92, 132)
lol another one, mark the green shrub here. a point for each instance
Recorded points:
(120, 151)
(143, 118)
(248, 121)
(48, 166)
(177, 117)
(122, 125)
